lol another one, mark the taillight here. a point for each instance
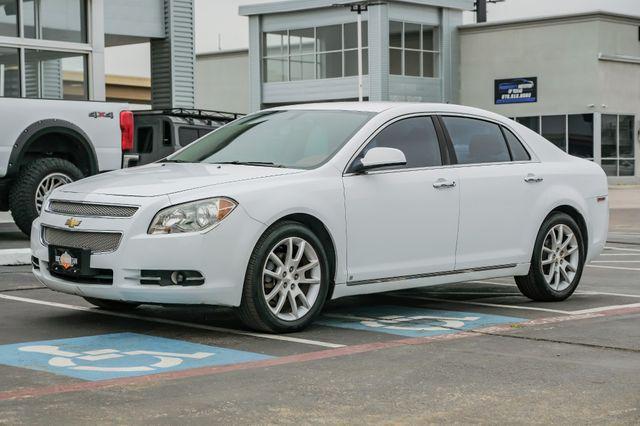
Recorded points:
(126, 127)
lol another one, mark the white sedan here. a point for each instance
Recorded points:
(285, 209)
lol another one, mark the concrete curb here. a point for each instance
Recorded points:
(14, 257)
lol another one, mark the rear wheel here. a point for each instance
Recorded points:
(287, 280)
(112, 305)
(33, 185)
(557, 261)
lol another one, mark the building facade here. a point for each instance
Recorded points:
(306, 51)
(54, 49)
(575, 79)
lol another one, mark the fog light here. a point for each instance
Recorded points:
(178, 277)
(169, 278)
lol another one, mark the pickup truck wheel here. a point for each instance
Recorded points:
(33, 185)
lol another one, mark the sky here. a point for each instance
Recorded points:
(218, 26)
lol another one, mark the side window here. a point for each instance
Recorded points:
(476, 141)
(518, 152)
(144, 139)
(416, 137)
(187, 135)
(167, 133)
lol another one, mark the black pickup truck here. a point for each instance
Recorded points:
(159, 133)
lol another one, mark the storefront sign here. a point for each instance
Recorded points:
(516, 90)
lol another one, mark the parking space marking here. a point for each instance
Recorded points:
(111, 356)
(504, 330)
(172, 322)
(411, 321)
(491, 305)
(615, 261)
(621, 268)
(622, 249)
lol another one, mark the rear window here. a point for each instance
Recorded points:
(144, 139)
(187, 135)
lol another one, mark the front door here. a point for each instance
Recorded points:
(403, 221)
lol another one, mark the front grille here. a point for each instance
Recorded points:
(97, 242)
(86, 209)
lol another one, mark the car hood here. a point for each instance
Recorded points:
(168, 178)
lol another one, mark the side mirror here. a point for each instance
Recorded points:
(377, 158)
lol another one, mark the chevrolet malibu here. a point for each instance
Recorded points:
(285, 209)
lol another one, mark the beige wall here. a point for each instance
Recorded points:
(222, 81)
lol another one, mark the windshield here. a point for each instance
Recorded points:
(301, 139)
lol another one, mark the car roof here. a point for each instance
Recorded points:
(400, 107)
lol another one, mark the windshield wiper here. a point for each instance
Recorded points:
(251, 163)
(167, 160)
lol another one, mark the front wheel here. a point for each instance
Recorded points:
(557, 261)
(287, 280)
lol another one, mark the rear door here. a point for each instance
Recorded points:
(498, 183)
(153, 138)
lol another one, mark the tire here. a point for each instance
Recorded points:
(22, 195)
(536, 285)
(310, 276)
(112, 305)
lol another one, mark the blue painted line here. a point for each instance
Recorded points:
(117, 355)
(411, 322)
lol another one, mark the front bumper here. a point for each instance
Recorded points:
(221, 255)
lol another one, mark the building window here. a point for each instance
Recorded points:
(413, 49)
(532, 123)
(9, 72)
(580, 135)
(9, 18)
(313, 53)
(55, 75)
(60, 20)
(554, 129)
(618, 147)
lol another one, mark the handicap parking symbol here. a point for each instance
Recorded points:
(411, 322)
(118, 355)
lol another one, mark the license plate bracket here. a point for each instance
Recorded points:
(74, 262)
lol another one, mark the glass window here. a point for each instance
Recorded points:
(310, 53)
(330, 65)
(476, 141)
(412, 50)
(9, 18)
(275, 70)
(618, 139)
(275, 43)
(167, 133)
(554, 130)
(302, 41)
(301, 67)
(351, 62)
(9, 72)
(417, 139)
(61, 20)
(581, 135)
(55, 75)
(518, 151)
(626, 126)
(351, 35)
(291, 138)
(186, 135)
(533, 123)
(144, 139)
(329, 38)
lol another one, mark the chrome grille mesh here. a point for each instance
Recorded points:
(97, 242)
(86, 209)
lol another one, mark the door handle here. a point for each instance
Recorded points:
(531, 178)
(443, 183)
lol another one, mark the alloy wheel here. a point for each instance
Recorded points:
(560, 257)
(291, 279)
(48, 184)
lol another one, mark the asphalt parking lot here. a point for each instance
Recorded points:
(475, 352)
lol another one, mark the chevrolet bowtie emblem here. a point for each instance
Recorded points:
(72, 222)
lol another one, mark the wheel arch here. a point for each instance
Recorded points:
(580, 220)
(320, 229)
(70, 143)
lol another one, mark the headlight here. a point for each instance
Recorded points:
(192, 217)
